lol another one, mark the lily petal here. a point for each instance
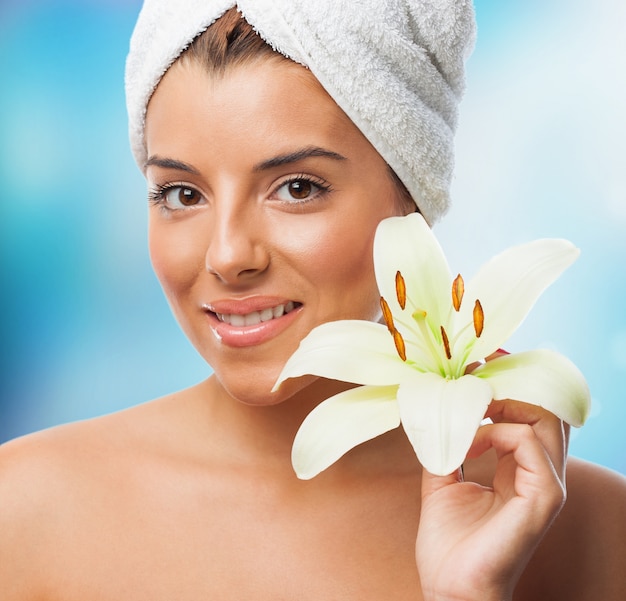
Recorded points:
(355, 351)
(540, 377)
(508, 286)
(340, 423)
(441, 417)
(407, 244)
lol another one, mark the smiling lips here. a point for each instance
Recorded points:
(236, 325)
(256, 317)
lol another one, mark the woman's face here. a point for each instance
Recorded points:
(265, 199)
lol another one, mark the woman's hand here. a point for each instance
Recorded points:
(474, 541)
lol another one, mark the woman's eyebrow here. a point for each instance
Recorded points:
(277, 161)
(166, 163)
(298, 155)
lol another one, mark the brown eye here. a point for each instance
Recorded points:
(187, 197)
(300, 189)
(181, 196)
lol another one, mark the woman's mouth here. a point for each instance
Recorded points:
(239, 324)
(257, 317)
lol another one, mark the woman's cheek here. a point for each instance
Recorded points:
(338, 262)
(175, 258)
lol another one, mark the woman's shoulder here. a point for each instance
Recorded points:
(53, 466)
(91, 452)
(583, 554)
(595, 510)
(56, 456)
(595, 513)
(48, 457)
(591, 483)
(43, 476)
(39, 470)
(63, 483)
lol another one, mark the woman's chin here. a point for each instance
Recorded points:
(259, 393)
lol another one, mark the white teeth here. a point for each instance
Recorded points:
(256, 317)
(235, 320)
(253, 318)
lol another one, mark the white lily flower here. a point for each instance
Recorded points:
(413, 370)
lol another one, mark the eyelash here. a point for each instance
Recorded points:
(157, 195)
(323, 187)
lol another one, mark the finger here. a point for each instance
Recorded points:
(524, 467)
(527, 492)
(550, 430)
(431, 483)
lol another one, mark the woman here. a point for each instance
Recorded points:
(264, 199)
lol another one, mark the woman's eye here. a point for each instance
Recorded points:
(181, 197)
(175, 197)
(300, 189)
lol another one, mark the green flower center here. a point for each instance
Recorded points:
(437, 341)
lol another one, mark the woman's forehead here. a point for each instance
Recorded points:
(268, 101)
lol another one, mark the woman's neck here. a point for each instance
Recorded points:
(262, 436)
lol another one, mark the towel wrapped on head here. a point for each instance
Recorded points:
(395, 67)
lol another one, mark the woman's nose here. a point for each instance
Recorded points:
(236, 250)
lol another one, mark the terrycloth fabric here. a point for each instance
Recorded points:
(396, 67)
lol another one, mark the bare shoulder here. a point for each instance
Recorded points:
(594, 486)
(51, 458)
(597, 507)
(583, 555)
(77, 454)
(595, 514)
(44, 461)
(53, 483)
(36, 474)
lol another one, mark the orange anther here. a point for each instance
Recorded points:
(446, 343)
(479, 319)
(400, 346)
(458, 289)
(387, 316)
(400, 290)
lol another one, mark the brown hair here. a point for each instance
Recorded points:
(228, 42)
(231, 41)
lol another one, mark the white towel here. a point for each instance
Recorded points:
(396, 67)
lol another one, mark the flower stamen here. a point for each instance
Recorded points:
(479, 319)
(397, 337)
(400, 346)
(458, 289)
(400, 290)
(446, 343)
(387, 316)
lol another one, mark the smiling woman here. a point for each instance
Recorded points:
(277, 137)
(303, 169)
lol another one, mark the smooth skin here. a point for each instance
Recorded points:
(192, 496)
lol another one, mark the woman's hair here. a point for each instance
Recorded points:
(230, 42)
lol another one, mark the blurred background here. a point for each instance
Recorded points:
(85, 329)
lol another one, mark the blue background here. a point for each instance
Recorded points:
(85, 329)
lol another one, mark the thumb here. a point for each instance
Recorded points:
(432, 484)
